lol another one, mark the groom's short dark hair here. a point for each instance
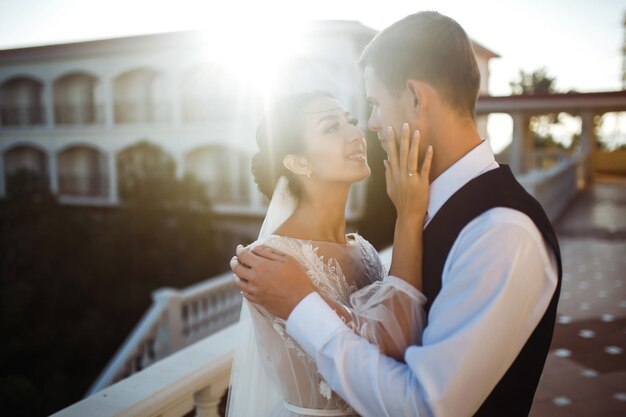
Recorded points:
(430, 47)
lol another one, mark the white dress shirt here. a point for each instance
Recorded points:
(497, 282)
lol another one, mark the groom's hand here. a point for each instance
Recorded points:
(271, 279)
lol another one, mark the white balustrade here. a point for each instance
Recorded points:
(175, 320)
(555, 187)
(194, 377)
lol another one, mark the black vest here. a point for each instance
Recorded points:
(513, 395)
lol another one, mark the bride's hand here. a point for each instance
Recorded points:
(407, 188)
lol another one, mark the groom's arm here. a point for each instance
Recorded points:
(494, 293)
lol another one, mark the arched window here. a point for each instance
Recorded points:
(77, 99)
(140, 96)
(21, 102)
(225, 171)
(83, 171)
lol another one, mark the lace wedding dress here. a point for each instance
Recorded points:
(273, 376)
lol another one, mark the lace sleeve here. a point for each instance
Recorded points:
(389, 312)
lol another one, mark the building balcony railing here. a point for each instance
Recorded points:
(195, 377)
(141, 112)
(176, 319)
(22, 115)
(78, 114)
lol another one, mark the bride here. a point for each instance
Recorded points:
(311, 152)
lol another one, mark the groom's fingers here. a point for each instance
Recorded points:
(240, 270)
(268, 253)
(245, 287)
(246, 257)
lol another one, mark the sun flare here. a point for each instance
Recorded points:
(253, 51)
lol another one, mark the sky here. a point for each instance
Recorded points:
(578, 41)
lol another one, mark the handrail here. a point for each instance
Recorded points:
(196, 376)
(175, 320)
(117, 364)
(555, 187)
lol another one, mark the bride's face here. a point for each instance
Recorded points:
(336, 150)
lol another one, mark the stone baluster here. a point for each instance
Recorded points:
(587, 145)
(170, 336)
(522, 145)
(2, 185)
(208, 399)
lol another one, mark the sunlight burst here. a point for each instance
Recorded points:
(253, 51)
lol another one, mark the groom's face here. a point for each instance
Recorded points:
(387, 109)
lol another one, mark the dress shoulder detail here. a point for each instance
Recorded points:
(326, 274)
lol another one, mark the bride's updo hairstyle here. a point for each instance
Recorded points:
(279, 134)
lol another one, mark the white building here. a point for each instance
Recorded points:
(67, 111)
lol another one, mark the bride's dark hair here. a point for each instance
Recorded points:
(280, 134)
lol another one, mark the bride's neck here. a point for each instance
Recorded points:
(321, 215)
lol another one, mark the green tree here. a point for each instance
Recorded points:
(27, 185)
(530, 83)
(147, 177)
(75, 280)
(538, 82)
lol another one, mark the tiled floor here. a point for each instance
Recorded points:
(585, 374)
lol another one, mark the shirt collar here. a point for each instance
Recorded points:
(475, 162)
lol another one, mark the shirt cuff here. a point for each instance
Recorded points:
(313, 323)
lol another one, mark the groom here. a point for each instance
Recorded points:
(492, 267)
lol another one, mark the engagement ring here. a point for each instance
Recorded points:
(412, 173)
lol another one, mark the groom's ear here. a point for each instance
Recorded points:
(419, 95)
(297, 164)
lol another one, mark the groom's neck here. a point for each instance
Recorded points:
(453, 137)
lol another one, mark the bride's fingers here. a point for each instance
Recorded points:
(388, 178)
(404, 149)
(414, 152)
(428, 159)
(392, 152)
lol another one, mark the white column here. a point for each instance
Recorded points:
(587, 142)
(48, 103)
(107, 96)
(113, 198)
(520, 146)
(234, 172)
(2, 185)
(170, 337)
(207, 399)
(175, 105)
(52, 172)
